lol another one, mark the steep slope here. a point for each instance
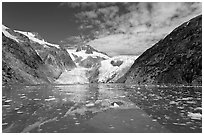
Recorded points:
(94, 66)
(36, 38)
(21, 64)
(27, 55)
(177, 59)
(86, 59)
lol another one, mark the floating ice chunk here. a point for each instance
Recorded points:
(7, 101)
(90, 104)
(36, 99)
(198, 108)
(196, 116)
(77, 123)
(3, 124)
(187, 98)
(16, 108)
(23, 97)
(191, 102)
(50, 99)
(173, 102)
(6, 105)
(180, 107)
(114, 105)
(111, 127)
(181, 124)
(98, 101)
(19, 112)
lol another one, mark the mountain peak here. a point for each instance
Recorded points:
(20, 36)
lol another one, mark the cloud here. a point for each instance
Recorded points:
(86, 5)
(87, 15)
(122, 28)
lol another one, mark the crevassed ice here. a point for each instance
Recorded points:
(107, 70)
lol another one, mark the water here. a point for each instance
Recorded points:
(91, 108)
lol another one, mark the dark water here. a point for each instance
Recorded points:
(90, 108)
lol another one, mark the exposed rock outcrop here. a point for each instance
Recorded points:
(177, 59)
(27, 58)
(21, 64)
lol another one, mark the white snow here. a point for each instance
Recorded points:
(84, 55)
(32, 37)
(7, 34)
(107, 70)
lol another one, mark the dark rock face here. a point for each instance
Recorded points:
(93, 74)
(58, 60)
(177, 59)
(88, 49)
(21, 64)
(30, 62)
(90, 62)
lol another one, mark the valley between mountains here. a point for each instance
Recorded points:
(27, 58)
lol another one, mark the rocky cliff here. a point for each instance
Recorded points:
(177, 59)
(26, 58)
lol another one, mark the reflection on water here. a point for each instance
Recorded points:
(101, 108)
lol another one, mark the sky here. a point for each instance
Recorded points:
(114, 28)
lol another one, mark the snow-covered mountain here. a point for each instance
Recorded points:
(77, 64)
(86, 56)
(35, 37)
(28, 58)
(95, 67)
(32, 36)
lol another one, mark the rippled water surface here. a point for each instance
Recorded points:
(101, 108)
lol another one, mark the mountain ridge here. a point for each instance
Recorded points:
(36, 61)
(177, 59)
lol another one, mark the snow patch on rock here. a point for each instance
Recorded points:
(7, 34)
(32, 37)
(84, 55)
